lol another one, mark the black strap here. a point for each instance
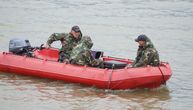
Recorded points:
(163, 78)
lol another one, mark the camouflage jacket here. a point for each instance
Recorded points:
(147, 55)
(81, 54)
(67, 40)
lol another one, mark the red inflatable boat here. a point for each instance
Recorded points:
(44, 64)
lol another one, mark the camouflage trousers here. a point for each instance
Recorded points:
(63, 57)
(85, 58)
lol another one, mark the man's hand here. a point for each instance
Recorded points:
(129, 66)
(47, 45)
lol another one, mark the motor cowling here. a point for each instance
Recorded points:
(19, 46)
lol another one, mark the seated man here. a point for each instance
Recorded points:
(81, 54)
(68, 40)
(146, 54)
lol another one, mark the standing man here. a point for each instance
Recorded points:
(68, 40)
(146, 53)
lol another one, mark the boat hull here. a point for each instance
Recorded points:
(126, 78)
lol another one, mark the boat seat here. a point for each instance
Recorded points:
(117, 64)
(96, 54)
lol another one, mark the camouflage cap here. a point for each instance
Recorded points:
(87, 41)
(141, 37)
(76, 29)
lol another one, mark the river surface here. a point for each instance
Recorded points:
(113, 25)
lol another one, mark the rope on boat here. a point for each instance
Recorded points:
(110, 76)
(164, 81)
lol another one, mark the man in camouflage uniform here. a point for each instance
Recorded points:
(146, 54)
(81, 54)
(68, 40)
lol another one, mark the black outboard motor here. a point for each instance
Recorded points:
(20, 47)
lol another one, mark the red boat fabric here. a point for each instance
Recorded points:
(45, 65)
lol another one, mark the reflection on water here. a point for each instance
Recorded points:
(26, 89)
